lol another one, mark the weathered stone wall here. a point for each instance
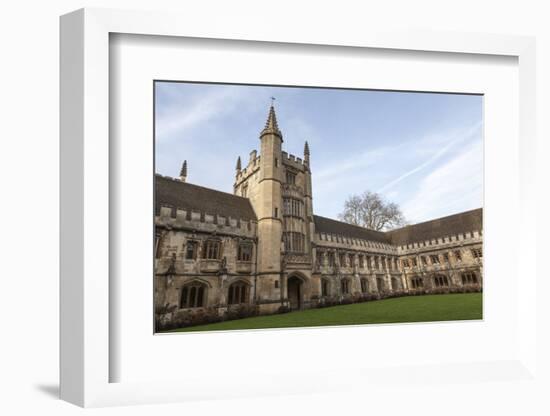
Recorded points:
(449, 256)
(175, 229)
(389, 268)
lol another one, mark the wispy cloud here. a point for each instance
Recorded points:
(453, 187)
(179, 119)
(457, 138)
(409, 147)
(350, 164)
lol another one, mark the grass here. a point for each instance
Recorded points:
(424, 308)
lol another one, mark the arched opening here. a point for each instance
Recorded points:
(345, 286)
(417, 282)
(238, 292)
(364, 285)
(380, 284)
(324, 287)
(469, 278)
(193, 295)
(395, 283)
(294, 289)
(441, 280)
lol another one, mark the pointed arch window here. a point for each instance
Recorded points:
(417, 282)
(469, 278)
(345, 285)
(238, 293)
(193, 295)
(441, 281)
(380, 286)
(364, 285)
(394, 283)
(324, 287)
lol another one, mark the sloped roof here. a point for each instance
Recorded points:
(330, 226)
(440, 227)
(174, 193)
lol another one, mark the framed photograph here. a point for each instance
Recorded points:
(298, 213)
(259, 256)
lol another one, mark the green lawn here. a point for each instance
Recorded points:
(406, 309)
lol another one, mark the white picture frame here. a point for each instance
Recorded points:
(86, 355)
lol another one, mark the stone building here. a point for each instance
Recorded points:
(263, 245)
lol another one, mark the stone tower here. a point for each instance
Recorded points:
(269, 212)
(279, 188)
(260, 181)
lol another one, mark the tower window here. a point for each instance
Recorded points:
(276, 162)
(293, 207)
(245, 252)
(294, 242)
(290, 178)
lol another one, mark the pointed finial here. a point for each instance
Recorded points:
(183, 171)
(238, 167)
(306, 150)
(271, 126)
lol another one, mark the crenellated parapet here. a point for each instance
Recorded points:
(441, 243)
(294, 161)
(175, 218)
(342, 242)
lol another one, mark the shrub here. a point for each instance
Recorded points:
(240, 311)
(283, 309)
(346, 300)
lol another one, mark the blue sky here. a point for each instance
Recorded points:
(422, 151)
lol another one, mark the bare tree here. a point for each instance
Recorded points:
(371, 211)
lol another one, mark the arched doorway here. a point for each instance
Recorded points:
(294, 287)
